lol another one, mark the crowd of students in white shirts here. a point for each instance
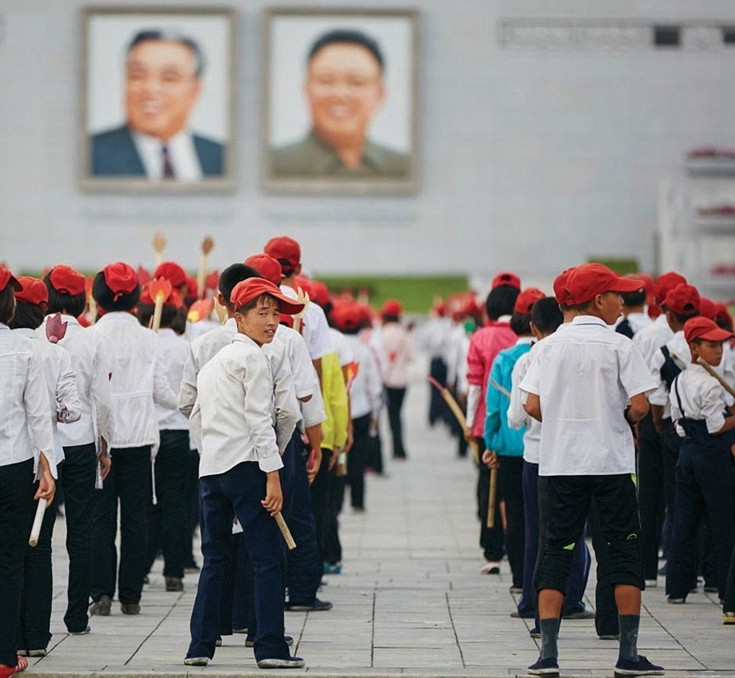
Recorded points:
(270, 398)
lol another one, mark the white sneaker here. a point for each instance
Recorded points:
(651, 583)
(491, 567)
(287, 663)
(196, 661)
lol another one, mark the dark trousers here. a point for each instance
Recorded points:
(324, 505)
(510, 486)
(304, 571)
(167, 520)
(671, 445)
(395, 404)
(703, 488)
(37, 588)
(192, 502)
(240, 490)
(357, 460)
(438, 409)
(16, 509)
(535, 537)
(728, 604)
(128, 482)
(606, 609)
(651, 494)
(491, 538)
(77, 477)
(569, 504)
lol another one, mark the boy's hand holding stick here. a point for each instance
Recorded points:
(458, 414)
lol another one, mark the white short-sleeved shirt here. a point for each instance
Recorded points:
(651, 338)
(315, 328)
(702, 398)
(366, 392)
(517, 416)
(584, 376)
(342, 347)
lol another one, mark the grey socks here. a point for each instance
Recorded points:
(629, 624)
(549, 634)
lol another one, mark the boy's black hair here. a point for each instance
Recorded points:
(7, 304)
(144, 313)
(178, 324)
(546, 315)
(391, 319)
(500, 301)
(27, 315)
(72, 304)
(681, 318)
(105, 297)
(637, 298)
(520, 323)
(232, 275)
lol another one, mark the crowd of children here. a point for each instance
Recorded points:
(122, 387)
(604, 410)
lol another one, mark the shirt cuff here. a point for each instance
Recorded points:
(271, 463)
(37, 470)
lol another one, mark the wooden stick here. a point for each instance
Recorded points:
(92, 304)
(303, 298)
(159, 244)
(491, 500)
(458, 415)
(287, 536)
(207, 245)
(157, 313)
(713, 372)
(37, 521)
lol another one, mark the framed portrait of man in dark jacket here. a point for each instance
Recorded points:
(157, 113)
(340, 107)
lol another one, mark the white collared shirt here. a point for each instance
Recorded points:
(306, 381)
(285, 410)
(366, 392)
(91, 359)
(138, 379)
(61, 383)
(344, 352)
(584, 376)
(181, 152)
(235, 390)
(702, 398)
(173, 351)
(651, 338)
(397, 354)
(25, 426)
(517, 416)
(315, 328)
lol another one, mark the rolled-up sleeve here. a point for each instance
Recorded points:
(68, 407)
(188, 389)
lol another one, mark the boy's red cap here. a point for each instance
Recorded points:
(560, 285)
(589, 280)
(704, 328)
(193, 286)
(506, 278)
(252, 288)
(665, 283)
(284, 247)
(120, 277)
(683, 300)
(349, 314)
(170, 270)
(7, 277)
(392, 307)
(320, 292)
(646, 279)
(66, 280)
(267, 266)
(722, 315)
(33, 291)
(526, 300)
(707, 308)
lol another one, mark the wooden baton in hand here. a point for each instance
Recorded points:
(287, 536)
(37, 521)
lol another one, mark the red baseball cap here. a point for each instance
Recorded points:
(33, 291)
(560, 285)
(646, 279)
(170, 270)
(348, 314)
(284, 248)
(320, 292)
(707, 308)
(665, 283)
(252, 288)
(506, 278)
(267, 266)
(588, 280)
(704, 328)
(66, 280)
(526, 300)
(722, 315)
(7, 277)
(392, 307)
(121, 278)
(193, 285)
(683, 300)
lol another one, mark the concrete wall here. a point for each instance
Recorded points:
(533, 158)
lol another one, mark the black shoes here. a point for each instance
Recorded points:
(641, 667)
(101, 608)
(316, 606)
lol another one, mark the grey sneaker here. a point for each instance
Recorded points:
(101, 608)
(196, 661)
(285, 663)
(130, 608)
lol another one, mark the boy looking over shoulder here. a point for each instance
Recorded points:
(587, 384)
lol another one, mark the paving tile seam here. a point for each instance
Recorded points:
(165, 617)
(454, 630)
(653, 616)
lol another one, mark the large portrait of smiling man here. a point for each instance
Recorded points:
(341, 101)
(157, 93)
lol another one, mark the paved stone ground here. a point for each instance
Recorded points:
(410, 600)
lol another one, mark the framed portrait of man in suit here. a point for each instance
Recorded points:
(340, 107)
(157, 99)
